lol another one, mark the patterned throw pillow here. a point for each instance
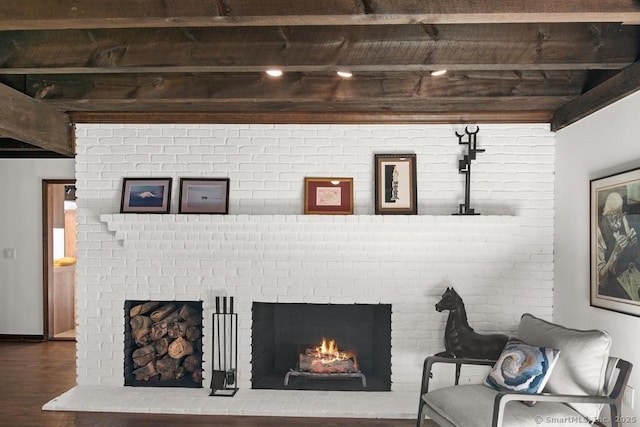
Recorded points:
(522, 368)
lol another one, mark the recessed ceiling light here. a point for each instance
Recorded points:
(345, 74)
(274, 73)
(438, 73)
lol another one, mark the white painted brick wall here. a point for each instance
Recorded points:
(500, 262)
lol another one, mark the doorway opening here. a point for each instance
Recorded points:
(59, 258)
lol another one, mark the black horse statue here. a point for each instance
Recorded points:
(460, 340)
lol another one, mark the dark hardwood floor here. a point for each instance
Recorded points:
(31, 374)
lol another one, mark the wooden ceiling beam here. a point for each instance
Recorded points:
(400, 105)
(218, 88)
(94, 14)
(32, 121)
(321, 49)
(350, 117)
(401, 92)
(617, 87)
(625, 18)
(323, 69)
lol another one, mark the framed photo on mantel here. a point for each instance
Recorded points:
(146, 195)
(396, 191)
(328, 196)
(204, 195)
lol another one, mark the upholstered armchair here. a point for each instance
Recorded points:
(576, 378)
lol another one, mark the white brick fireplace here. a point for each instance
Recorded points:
(265, 250)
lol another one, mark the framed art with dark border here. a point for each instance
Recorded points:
(396, 191)
(614, 253)
(204, 195)
(328, 196)
(146, 195)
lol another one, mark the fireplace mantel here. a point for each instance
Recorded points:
(137, 227)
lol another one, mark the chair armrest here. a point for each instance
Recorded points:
(426, 374)
(458, 361)
(501, 400)
(613, 399)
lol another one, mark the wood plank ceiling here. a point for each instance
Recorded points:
(156, 61)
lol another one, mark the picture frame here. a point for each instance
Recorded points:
(146, 195)
(328, 196)
(614, 247)
(395, 189)
(204, 196)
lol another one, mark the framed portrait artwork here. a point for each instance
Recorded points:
(146, 195)
(615, 252)
(328, 196)
(395, 184)
(204, 195)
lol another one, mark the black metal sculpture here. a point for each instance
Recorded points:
(464, 167)
(460, 340)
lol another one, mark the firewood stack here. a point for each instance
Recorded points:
(168, 340)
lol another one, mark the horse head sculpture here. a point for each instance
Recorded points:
(460, 340)
(450, 301)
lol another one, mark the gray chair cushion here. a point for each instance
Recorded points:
(582, 364)
(471, 405)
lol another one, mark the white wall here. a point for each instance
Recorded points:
(21, 292)
(602, 144)
(500, 262)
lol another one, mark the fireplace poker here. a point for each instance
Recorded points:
(219, 376)
(218, 329)
(224, 334)
(231, 374)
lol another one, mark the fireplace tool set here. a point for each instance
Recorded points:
(225, 349)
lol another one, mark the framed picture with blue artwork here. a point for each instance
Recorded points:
(146, 195)
(396, 191)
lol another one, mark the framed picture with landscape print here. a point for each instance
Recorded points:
(396, 191)
(146, 195)
(328, 196)
(615, 252)
(204, 195)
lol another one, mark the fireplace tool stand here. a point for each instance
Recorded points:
(225, 349)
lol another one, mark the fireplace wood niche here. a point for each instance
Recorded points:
(163, 343)
(287, 336)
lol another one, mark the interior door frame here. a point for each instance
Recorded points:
(47, 254)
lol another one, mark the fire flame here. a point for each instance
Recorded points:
(327, 359)
(328, 352)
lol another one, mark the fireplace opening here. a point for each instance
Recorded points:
(163, 343)
(343, 347)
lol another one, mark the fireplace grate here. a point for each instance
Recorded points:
(313, 375)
